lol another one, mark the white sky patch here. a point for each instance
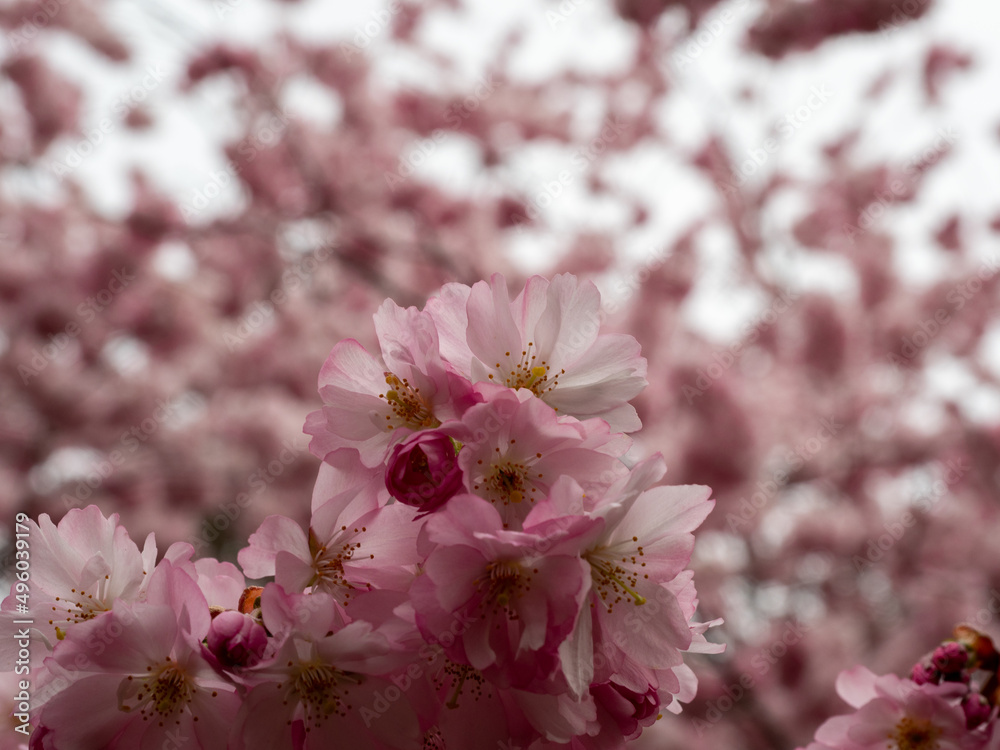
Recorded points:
(449, 161)
(174, 260)
(307, 99)
(718, 307)
(63, 465)
(128, 356)
(719, 548)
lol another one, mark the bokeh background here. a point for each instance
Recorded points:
(794, 205)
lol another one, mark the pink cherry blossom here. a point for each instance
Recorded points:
(320, 688)
(80, 568)
(516, 597)
(371, 403)
(137, 677)
(353, 544)
(221, 583)
(471, 710)
(643, 543)
(516, 446)
(545, 340)
(343, 470)
(896, 714)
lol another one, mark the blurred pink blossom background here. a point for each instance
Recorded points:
(791, 205)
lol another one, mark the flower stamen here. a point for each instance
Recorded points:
(615, 579)
(409, 407)
(165, 691)
(528, 373)
(915, 734)
(502, 583)
(323, 691)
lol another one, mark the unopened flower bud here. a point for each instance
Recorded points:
(924, 674)
(236, 639)
(423, 471)
(628, 709)
(950, 657)
(977, 710)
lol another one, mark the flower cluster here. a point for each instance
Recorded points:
(950, 702)
(482, 567)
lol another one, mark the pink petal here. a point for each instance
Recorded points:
(275, 534)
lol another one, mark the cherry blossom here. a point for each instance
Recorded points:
(320, 686)
(545, 340)
(137, 676)
(353, 544)
(640, 543)
(516, 602)
(84, 565)
(515, 446)
(897, 714)
(372, 403)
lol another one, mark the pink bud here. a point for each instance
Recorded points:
(423, 471)
(630, 710)
(923, 674)
(977, 710)
(950, 657)
(236, 639)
